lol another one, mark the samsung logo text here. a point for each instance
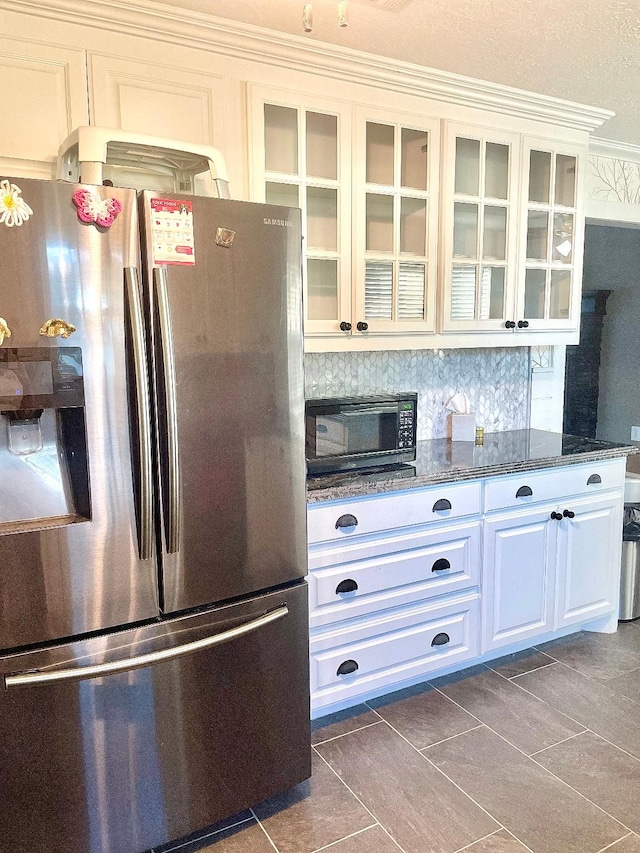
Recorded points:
(284, 223)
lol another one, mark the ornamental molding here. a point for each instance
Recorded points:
(600, 147)
(245, 41)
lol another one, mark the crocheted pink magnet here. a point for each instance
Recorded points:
(92, 208)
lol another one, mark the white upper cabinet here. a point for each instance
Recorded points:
(551, 237)
(480, 228)
(301, 158)
(437, 211)
(44, 97)
(374, 270)
(395, 224)
(160, 100)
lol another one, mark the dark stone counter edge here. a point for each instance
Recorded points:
(420, 481)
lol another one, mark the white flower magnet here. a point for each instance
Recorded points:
(14, 210)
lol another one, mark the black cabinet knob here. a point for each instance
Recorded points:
(345, 327)
(593, 479)
(524, 492)
(510, 324)
(348, 585)
(556, 516)
(568, 514)
(346, 521)
(347, 667)
(441, 505)
(441, 565)
(362, 327)
(523, 324)
(440, 639)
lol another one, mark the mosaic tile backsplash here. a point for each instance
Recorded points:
(496, 380)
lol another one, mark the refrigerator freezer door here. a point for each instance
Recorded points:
(76, 532)
(230, 402)
(135, 759)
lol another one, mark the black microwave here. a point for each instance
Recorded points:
(347, 433)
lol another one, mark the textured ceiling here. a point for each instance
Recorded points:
(581, 50)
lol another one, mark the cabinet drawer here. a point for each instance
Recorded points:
(363, 658)
(553, 484)
(346, 519)
(362, 577)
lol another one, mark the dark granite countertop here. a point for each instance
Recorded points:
(440, 461)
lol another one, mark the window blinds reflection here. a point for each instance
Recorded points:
(378, 290)
(411, 279)
(463, 292)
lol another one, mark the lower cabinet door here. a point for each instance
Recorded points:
(518, 577)
(357, 658)
(589, 546)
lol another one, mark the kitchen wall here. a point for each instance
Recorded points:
(496, 380)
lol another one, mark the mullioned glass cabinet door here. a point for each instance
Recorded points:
(395, 202)
(302, 158)
(552, 236)
(480, 205)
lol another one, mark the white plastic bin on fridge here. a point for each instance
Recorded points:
(97, 155)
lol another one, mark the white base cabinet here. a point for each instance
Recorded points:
(518, 578)
(407, 591)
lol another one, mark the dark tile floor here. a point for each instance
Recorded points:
(538, 751)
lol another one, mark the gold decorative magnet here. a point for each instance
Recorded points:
(225, 238)
(5, 331)
(56, 327)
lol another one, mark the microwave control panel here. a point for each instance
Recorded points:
(406, 425)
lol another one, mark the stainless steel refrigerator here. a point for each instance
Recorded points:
(153, 609)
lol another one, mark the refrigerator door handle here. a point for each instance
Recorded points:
(173, 515)
(34, 677)
(145, 536)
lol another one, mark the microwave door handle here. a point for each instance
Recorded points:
(139, 358)
(81, 673)
(379, 410)
(173, 492)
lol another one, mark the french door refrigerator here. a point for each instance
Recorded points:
(153, 612)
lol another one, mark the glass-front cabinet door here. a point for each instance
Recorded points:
(479, 229)
(302, 158)
(552, 232)
(395, 172)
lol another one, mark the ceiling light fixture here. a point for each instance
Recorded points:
(307, 15)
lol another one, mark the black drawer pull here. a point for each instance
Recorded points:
(524, 492)
(593, 479)
(348, 585)
(556, 516)
(346, 521)
(440, 639)
(441, 565)
(441, 505)
(569, 514)
(347, 667)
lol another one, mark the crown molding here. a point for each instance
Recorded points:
(229, 38)
(599, 147)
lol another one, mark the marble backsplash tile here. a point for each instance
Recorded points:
(496, 380)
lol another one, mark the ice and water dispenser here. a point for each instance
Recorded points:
(43, 448)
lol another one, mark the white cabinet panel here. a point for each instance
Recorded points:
(518, 578)
(44, 97)
(369, 515)
(385, 572)
(589, 560)
(156, 99)
(360, 658)
(554, 484)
